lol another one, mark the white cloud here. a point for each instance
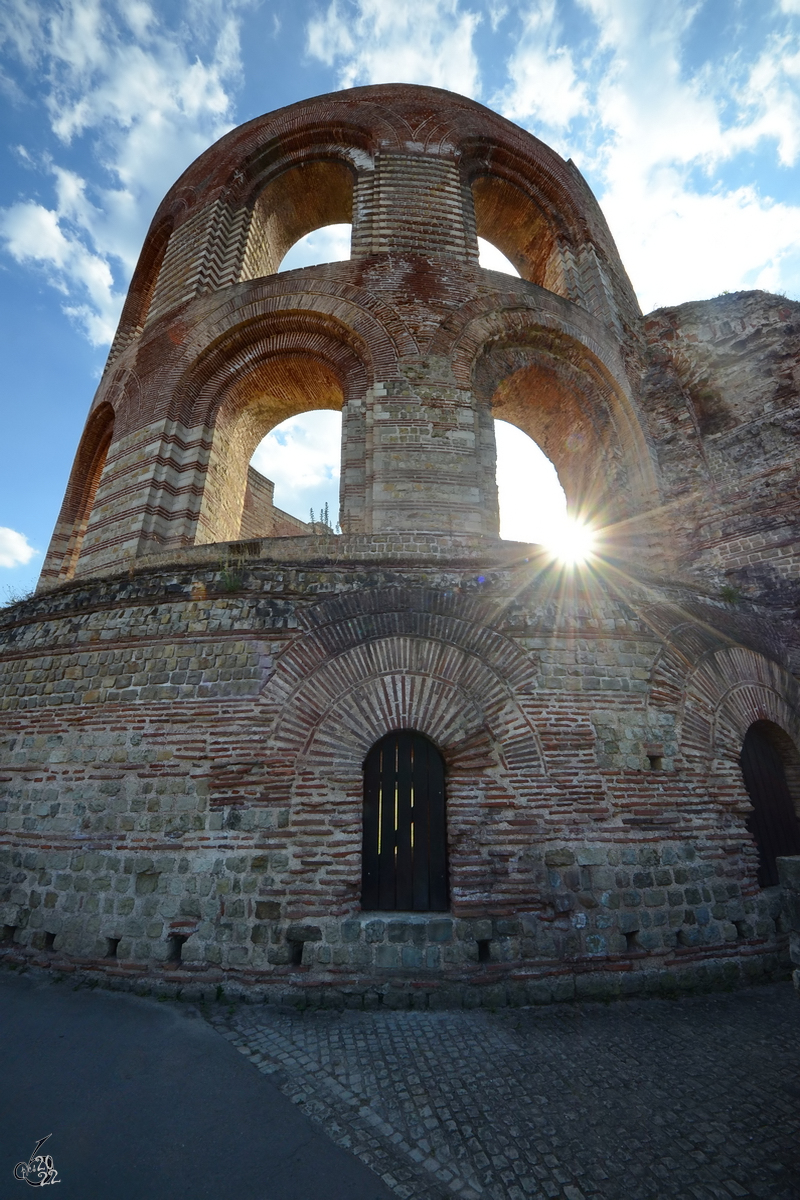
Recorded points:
(657, 140)
(14, 548)
(770, 95)
(391, 41)
(544, 83)
(150, 98)
(35, 234)
(302, 457)
(329, 244)
(679, 245)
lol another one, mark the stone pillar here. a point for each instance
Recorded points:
(789, 875)
(418, 457)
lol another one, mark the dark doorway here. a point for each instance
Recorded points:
(774, 823)
(404, 863)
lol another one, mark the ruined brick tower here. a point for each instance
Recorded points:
(410, 760)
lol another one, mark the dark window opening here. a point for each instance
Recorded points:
(49, 941)
(111, 947)
(484, 950)
(175, 942)
(656, 761)
(295, 953)
(9, 933)
(404, 864)
(773, 822)
(632, 941)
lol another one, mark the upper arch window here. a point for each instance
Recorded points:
(509, 220)
(771, 768)
(298, 201)
(330, 243)
(494, 260)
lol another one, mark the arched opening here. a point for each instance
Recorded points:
(404, 859)
(567, 409)
(492, 259)
(83, 484)
(293, 478)
(280, 387)
(771, 769)
(532, 502)
(298, 201)
(510, 220)
(330, 243)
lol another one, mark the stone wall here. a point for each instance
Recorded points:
(260, 517)
(188, 704)
(789, 871)
(182, 749)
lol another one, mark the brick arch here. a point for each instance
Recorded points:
(542, 369)
(218, 378)
(514, 314)
(746, 687)
(396, 663)
(76, 509)
(328, 724)
(258, 374)
(339, 623)
(357, 318)
(719, 691)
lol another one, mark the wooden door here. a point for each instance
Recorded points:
(404, 863)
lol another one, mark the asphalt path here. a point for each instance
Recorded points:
(145, 1100)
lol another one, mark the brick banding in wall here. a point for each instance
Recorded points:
(189, 699)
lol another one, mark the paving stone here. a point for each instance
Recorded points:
(638, 1100)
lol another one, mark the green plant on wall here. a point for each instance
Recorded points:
(730, 594)
(230, 577)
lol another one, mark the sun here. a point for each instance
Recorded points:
(572, 541)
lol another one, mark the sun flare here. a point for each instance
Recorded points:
(572, 541)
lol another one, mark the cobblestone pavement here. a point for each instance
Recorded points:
(697, 1099)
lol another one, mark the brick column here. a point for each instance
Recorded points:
(416, 455)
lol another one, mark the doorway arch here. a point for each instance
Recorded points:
(404, 858)
(769, 763)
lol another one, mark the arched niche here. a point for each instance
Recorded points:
(143, 285)
(296, 202)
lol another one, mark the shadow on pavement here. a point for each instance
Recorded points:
(146, 1100)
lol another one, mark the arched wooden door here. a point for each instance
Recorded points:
(404, 863)
(773, 823)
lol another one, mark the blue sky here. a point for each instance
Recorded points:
(684, 117)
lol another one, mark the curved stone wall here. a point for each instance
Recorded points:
(183, 747)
